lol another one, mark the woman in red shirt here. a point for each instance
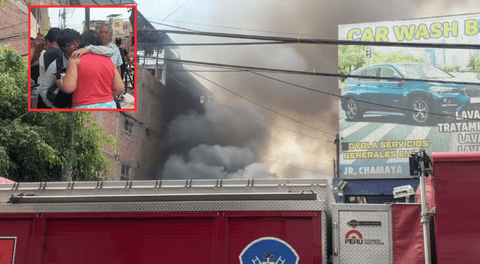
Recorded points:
(93, 79)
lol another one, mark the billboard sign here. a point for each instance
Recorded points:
(420, 103)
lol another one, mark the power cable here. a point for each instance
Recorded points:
(315, 73)
(12, 36)
(250, 115)
(225, 105)
(264, 107)
(220, 44)
(14, 25)
(159, 23)
(191, 30)
(166, 18)
(208, 70)
(255, 69)
(176, 10)
(326, 41)
(236, 28)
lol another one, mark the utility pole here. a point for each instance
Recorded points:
(336, 169)
(87, 19)
(62, 14)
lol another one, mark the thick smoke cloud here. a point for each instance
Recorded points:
(215, 162)
(306, 19)
(309, 19)
(222, 125)
(225, 142)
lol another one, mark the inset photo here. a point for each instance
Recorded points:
(82, 58)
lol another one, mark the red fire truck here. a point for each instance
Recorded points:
(174, 221)
(456, 180)
(279, 221)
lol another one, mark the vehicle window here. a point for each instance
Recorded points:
(370, 72)
(422, 71)
(388, 72)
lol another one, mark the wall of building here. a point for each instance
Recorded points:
(142, 149)
(14, 30)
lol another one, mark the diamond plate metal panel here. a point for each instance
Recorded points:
(328, 227)
(177, 187)
(364, 243)
(190, 206)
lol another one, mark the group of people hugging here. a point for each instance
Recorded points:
(77, 71)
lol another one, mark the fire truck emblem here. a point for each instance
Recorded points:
(269, 250)
(353, 237)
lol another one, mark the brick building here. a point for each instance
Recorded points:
(14, 30)
(138, 134)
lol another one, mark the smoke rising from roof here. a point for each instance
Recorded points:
(305, 19)
(225, 142)
(215, 162)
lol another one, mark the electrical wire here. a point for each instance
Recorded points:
(258, 69)
(166, 18)
(183, 85)
(219, 44)
(176, 10)
(264, 107)
(273, 70)
(236, 28)
(191, 30)
(14, 25)
(225, 105)
(326, 41)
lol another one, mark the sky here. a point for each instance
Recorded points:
(308, 152)
(76, 16)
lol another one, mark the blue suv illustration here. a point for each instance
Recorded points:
(416, 100)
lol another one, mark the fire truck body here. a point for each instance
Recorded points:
(457, 196)
(209, 221)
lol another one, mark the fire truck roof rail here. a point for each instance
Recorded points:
(146, 184)
(31, 198)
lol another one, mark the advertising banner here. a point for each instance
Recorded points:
(410, 98)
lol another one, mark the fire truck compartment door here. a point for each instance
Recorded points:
(363, 236)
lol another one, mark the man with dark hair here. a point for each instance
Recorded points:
(53, 50)
(68, 41)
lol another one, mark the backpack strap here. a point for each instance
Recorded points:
(59, 62)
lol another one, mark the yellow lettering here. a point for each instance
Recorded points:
(471, 27)
(404, 32)
(422, 31)
(381, 34)
(436, 30)
(447, 29)
(367, 35)
(425, 143)
(352, 32)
